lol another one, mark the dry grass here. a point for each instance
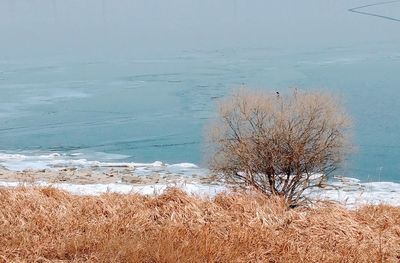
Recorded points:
(48, 225)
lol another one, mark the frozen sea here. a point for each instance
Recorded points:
(136, 81)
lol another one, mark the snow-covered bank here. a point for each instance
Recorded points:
(349, 195)
(361, 193)
(97, 189)
(78, 174)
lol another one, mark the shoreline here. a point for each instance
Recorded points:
(110, 175)
(152, 181)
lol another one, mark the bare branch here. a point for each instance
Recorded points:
(280, 145)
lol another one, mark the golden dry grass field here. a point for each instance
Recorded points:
(49, 225)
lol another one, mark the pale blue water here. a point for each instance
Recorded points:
(139, 79)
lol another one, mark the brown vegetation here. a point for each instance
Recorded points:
(280, 144)
(48, 225)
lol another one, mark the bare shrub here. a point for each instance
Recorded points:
(280, 144)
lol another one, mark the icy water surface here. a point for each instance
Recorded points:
(136, 81)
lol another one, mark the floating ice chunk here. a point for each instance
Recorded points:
(154, 164)
(183, 165)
